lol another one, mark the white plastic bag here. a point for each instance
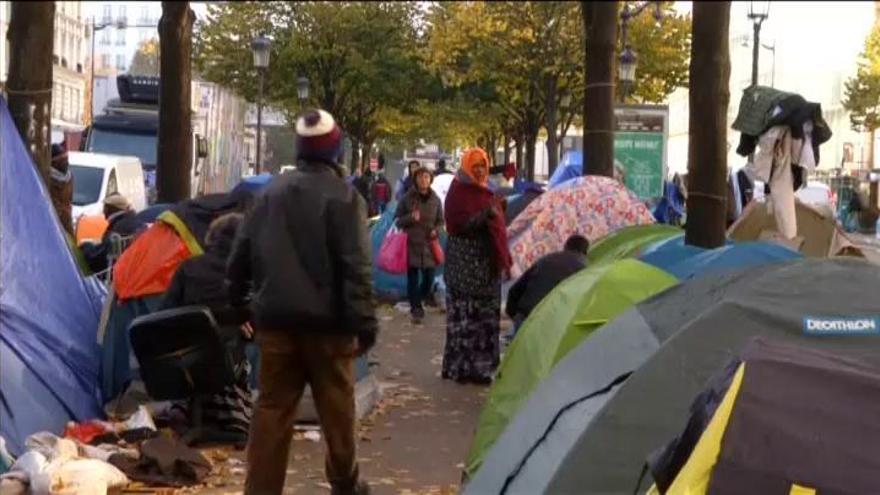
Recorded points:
(140, 419)
(78, 477)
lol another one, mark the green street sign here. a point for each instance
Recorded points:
(641, 155)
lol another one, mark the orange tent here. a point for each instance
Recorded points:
(148, 265)
(90, 228)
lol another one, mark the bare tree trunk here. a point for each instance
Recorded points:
(355, 156)
(520, 158)
(531, 141)
(707, 152)
(365, 156)
(872, 189)
(550, 91)
(601, 29)
(506, 139)
(31, 35)
(174, 157)
(493, 149)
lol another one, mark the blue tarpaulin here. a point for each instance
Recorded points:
(253, 184)
(671, 207)
(49, 357)
(570, 167)
(729, 258)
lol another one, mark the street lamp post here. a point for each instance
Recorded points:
(302, 91)
(628, 59)
(260, 47)
(758, 16)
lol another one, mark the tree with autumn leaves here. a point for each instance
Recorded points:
(457, 73)
(862, 97)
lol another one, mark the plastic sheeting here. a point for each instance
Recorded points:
(570, 167)
(566, 316)
(48, 313)
(253, 184)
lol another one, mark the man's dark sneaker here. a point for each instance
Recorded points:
(361, 488)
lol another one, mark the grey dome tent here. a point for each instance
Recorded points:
(624, 392)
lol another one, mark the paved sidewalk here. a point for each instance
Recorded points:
(416, 439)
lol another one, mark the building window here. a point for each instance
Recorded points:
(120, 37)
(120, 61)
(105, 61)
(105, 37)
(108, 15)
(145, 16)
(122, 17)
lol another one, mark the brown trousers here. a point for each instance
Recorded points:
(289, 361)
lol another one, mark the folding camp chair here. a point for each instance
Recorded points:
(182, 356)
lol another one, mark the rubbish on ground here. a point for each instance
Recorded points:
(165, 462)
(84, 432)
(6, 459)
(140, 419)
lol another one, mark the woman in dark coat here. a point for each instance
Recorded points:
(201, 281)
(476, 259)
(420, 215)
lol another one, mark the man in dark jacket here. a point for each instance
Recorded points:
(544, 276)
(420, 215)
(304, 250)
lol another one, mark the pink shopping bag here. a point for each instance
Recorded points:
(393, 253)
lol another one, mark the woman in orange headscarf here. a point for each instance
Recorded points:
(476, 259)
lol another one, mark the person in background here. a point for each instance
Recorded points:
(406, 182)
(303, 256)
(476, 259)
(61, 187)
(364, 185)
(420, 215)
(123, 221)
(381, 192)
(441, 168)
(543, 276)
(200, 281)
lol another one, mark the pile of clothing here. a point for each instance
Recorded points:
(784, 132)
(97, 456)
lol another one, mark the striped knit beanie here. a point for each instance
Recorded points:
(318, 138)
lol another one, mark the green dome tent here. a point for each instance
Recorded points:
(576, 308)
(629, 242)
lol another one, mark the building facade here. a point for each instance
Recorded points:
(69, 70)
(120, 29)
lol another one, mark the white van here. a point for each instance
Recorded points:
(96, 176)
